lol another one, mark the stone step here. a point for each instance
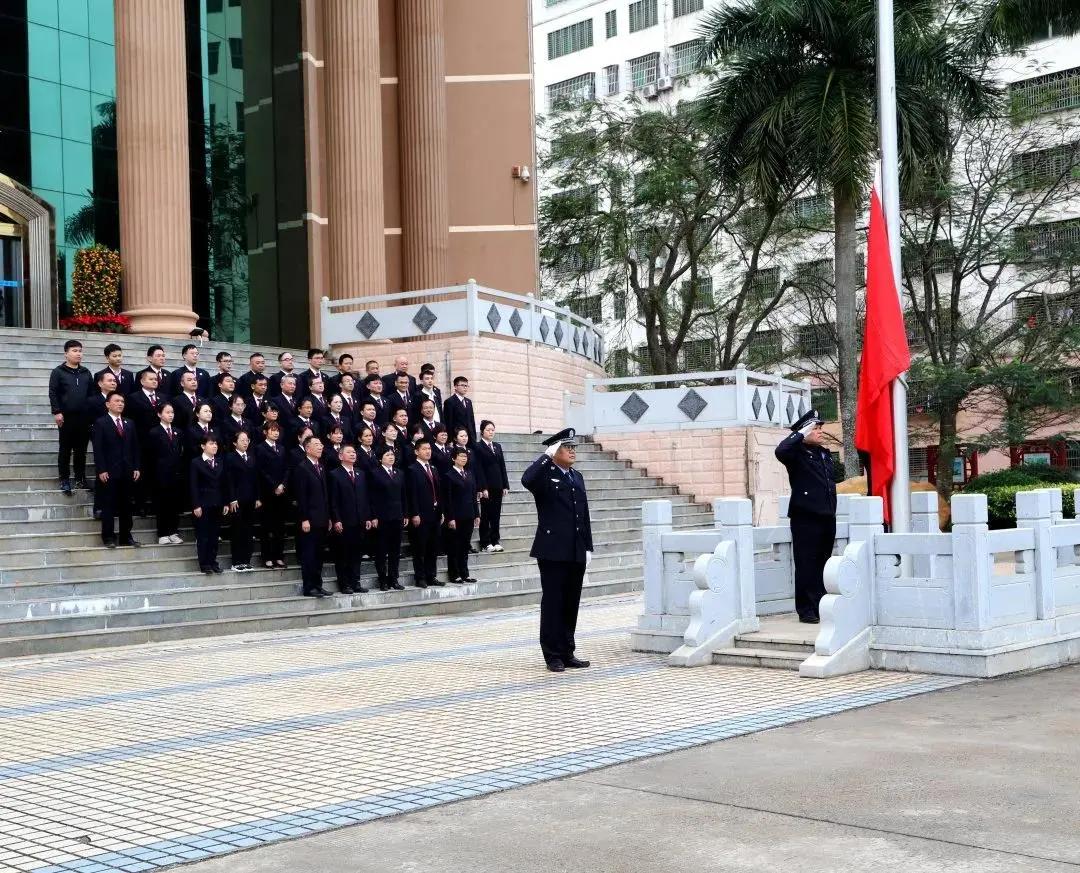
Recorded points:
(763, 642)
(410, 603)
(776, 659)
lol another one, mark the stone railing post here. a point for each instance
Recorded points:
(924, 519)
(735, 517)
(971, 562)
(742, 396)
(655, 522)
(843, 521)
(1034, 510)
(783, 505)
(472, 314)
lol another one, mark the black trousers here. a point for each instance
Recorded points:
(309, 549)
(812, 540)
(388, 550)
(561, 584)
(272, 527)
(242, 533)
(74, 436)
(424, 543)
(490, 516)
(116, 497)
(208, 535)
(167, 507)
(348, 547)
(457, 549)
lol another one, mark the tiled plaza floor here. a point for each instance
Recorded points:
(142, 758)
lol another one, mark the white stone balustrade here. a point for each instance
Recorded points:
(971, 602)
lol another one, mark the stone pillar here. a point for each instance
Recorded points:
(354, 160)
(152, 163)
(425, 208)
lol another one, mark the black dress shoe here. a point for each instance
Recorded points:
(311, 594)
(209, 571)
(436, 583)
(109, 544)
(65, 487)
(576, 663)
(217, 568)
(133, 543)
(809, 619)
(556, 666)
(384, 586)
(346, 589)
(321, 592)
(397, 586)
(360, 589)
(421, 584)
(469, 581)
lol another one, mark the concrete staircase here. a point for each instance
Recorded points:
(60, 590)
(781, 643)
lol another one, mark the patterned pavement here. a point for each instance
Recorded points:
(141, 758)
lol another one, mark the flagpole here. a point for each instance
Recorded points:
(900, 489)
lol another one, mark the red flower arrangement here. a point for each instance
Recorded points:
(97, 323)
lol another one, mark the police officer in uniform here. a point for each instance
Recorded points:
(562, 546)
(812, 510)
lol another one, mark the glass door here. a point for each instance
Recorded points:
(12, 283)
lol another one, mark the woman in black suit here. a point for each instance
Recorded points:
(243, 487)
(459, 499)
(273, 470)
(235, 422)
(165, 447)
(209, 502)
(491, 464)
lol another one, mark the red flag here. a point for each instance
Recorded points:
(885, 356)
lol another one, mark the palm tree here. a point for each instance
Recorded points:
(795, 106)
(1005, 26)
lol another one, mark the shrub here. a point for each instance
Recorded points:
(97, 323)
(1026, 474)
(1001, 501)
(96, 281)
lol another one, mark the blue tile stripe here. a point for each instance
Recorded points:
(220, 841)
(97, 757)
(273, 677)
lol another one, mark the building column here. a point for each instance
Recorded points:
(354, 161)
(152, 164)
(425, 208)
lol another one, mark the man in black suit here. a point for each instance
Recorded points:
(224, 368)
(155, 362)
(256, 366)
(344, 368)
(423, 496)
(106, 384)
(374, 392)
(286, 365)
(209, 502)
(190, 354)
(401, 368)
(116, 457)
(812, 510)
(273, 468)
(286, 401)
(496, 485)
(562, 546)
(388, 499)
(142, 409)
(458, 410)
(316, 358)
(350, 512)
(114, 363)
(400, 398)
(428, 390)
(257, 401)
(186, 402)
(222, 399)
(367, 420)
(70, 387)
(426, 420)
(308, 483)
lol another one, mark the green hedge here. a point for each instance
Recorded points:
(1001, 501)
(1026, 474)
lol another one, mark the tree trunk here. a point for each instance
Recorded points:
(946, 449)
(846, 327)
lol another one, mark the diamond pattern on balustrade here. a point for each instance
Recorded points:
(558, 333)
(424, 318)
(585, 342)
(516, 322)
(577, 338)
(545, 328)
(790, 410)
(770, 406)
(692, 404)
(367, 325)
(755, 404)
(493, 317)
(634, 407)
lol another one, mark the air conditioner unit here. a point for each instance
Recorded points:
(650, 92)
(665, 83)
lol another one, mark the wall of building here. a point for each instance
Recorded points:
(518, 386)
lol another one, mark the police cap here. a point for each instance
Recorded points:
(565, 437)
(810, 417)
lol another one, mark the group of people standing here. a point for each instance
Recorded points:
(355, 461)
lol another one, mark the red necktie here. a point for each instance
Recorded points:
(120, 426)
(431, 479)
(211, 463)
(168, 430)
(352, 479)
(153, 399)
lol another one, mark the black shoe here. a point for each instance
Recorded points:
(321, 592)
(457, 581)
(809, 619)
(82, 484)
(109, 544)
(577, 663)
(346, 589)
(360, 589)
(216, 568)
(97, 515)
(556, 666)
(469, 581)
(131, 542)
(421, 583)
(65, 487)
(397, 586)
(473, 551)
(209, 571)
(435, 583)
(312, 594)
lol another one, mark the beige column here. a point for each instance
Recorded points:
(354, 162)
(425, 208)
(152, 163)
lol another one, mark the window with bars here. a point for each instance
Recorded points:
(764, 284)
(643, 14)
(686, 57)
(611, 79)
(685, 7)
(588, 307)
(914, 331)
(702, 293)
(918, 464)
(1055, 239)
(644, 70)
(570, 39)
(814, 340)
(1050, 93)
(577, 201)
(824, 401)
(550, 3)
(572, 261)
(815, 278)
(619, 300)
(644, 362)
(920, 400)
(699, 355)
(809, 210)
(618, 362)
(939, 254)
(1034, 310)
(766, 348)
(570, 92)
(1038, 169)
(611, 23)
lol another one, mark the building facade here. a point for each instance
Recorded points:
(250, 157)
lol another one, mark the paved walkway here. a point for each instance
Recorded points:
(141, 758)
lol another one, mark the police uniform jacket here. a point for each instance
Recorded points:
(810, 472)
(563, 525)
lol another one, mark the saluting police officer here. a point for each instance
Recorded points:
(562, 546)
(812, 510)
